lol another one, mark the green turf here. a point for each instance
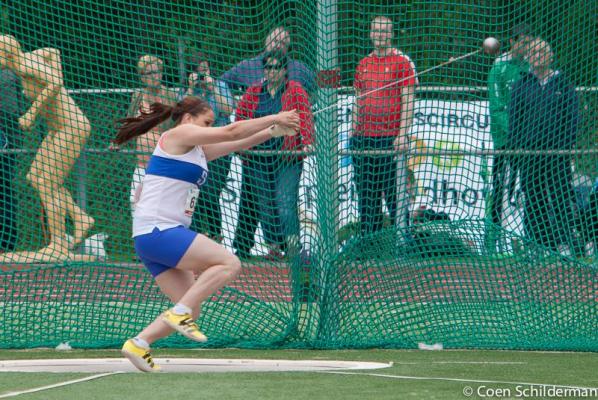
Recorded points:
(575, 369)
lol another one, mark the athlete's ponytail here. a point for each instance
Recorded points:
(132, 127)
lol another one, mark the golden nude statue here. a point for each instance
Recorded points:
(68, 129)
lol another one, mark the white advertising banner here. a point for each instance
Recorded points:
(454, 184)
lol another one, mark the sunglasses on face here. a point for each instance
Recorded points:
(153, 72)
(272, 66)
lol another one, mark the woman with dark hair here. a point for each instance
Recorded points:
(270, 185)
(163, 241)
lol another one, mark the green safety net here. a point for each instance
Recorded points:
(477, 230)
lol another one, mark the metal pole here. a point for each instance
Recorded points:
(182, 65)
(81, 179)
(327, 171)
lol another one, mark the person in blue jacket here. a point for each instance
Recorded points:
(544, 115)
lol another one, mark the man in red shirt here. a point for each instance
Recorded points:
(381, 121)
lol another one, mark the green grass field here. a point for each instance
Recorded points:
(414, 375)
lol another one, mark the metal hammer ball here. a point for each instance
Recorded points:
(491, 45)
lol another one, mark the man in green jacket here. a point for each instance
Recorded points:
(506, 71)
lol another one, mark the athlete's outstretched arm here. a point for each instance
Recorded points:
(214, 151)
(193, 135)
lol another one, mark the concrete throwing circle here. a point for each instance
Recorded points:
(99, 365)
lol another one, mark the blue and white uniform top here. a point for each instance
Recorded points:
(169, 190)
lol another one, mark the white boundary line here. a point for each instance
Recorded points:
(42, 388)
(461, 362)
(433, 378)
(482, 362)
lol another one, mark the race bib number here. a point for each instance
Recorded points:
(191, 201)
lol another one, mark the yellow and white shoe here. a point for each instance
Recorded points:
(184, 324)
(140, 357)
